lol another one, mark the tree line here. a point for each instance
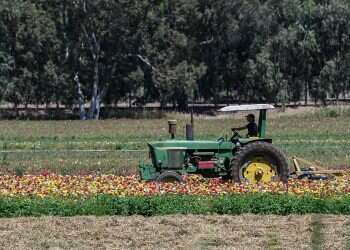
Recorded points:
(104, 52)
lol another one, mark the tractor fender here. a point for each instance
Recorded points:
(257, 140)
(247, 142)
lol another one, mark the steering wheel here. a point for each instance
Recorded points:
(221, 139)
(235, 135)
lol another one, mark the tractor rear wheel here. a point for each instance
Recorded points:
(170, 176)
(259, 162)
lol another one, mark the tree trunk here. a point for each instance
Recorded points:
(95, 53)
(26, 107)
(16, 109)
(57, 105)
(80, 98)
(306, 92)
(163, 102)
(337, 99)
(98, 106)
(95, 91)
(47, 106)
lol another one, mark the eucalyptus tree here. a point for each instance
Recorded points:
(5, 60)
(30, 34)
(333, 32)
(94, 52)
(167, 52)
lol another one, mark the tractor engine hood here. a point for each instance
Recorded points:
(204, 144)
(193, 145)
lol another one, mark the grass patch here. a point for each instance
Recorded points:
(315, 135)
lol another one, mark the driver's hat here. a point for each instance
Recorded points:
(251, 116)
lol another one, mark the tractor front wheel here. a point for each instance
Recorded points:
(259, 162)
(170, 176)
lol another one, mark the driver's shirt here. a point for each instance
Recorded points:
(252, 129)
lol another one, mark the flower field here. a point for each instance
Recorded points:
(119, 186)
(51, 168)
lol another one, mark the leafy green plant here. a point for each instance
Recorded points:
(172, 204)
(19, 171)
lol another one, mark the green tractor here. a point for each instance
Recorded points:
(241, 159)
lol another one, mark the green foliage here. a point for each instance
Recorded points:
(19, 171)
(172, 204)
(331, 113)
(173, 52)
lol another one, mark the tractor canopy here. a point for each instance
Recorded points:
(262, 108)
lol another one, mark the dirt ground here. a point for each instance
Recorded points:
(177, 232)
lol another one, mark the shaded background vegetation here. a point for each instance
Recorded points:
(104, 52)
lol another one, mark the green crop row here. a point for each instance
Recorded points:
(172, 204)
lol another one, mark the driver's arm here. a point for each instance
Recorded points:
(239, 128)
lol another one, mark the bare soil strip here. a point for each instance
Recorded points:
(173, 232)
(335, 232)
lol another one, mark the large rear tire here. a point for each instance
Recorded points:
(259, 162)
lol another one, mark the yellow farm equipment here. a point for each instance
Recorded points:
(304, 169)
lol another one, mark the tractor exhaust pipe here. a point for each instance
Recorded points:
(190, 128)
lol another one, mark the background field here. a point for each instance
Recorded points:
(315, 134)
(177, 232)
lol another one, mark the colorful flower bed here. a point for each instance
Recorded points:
(87, 186)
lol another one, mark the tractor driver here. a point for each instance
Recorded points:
(252, 127)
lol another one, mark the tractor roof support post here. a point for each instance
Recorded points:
(189, 132)
(262, 123)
